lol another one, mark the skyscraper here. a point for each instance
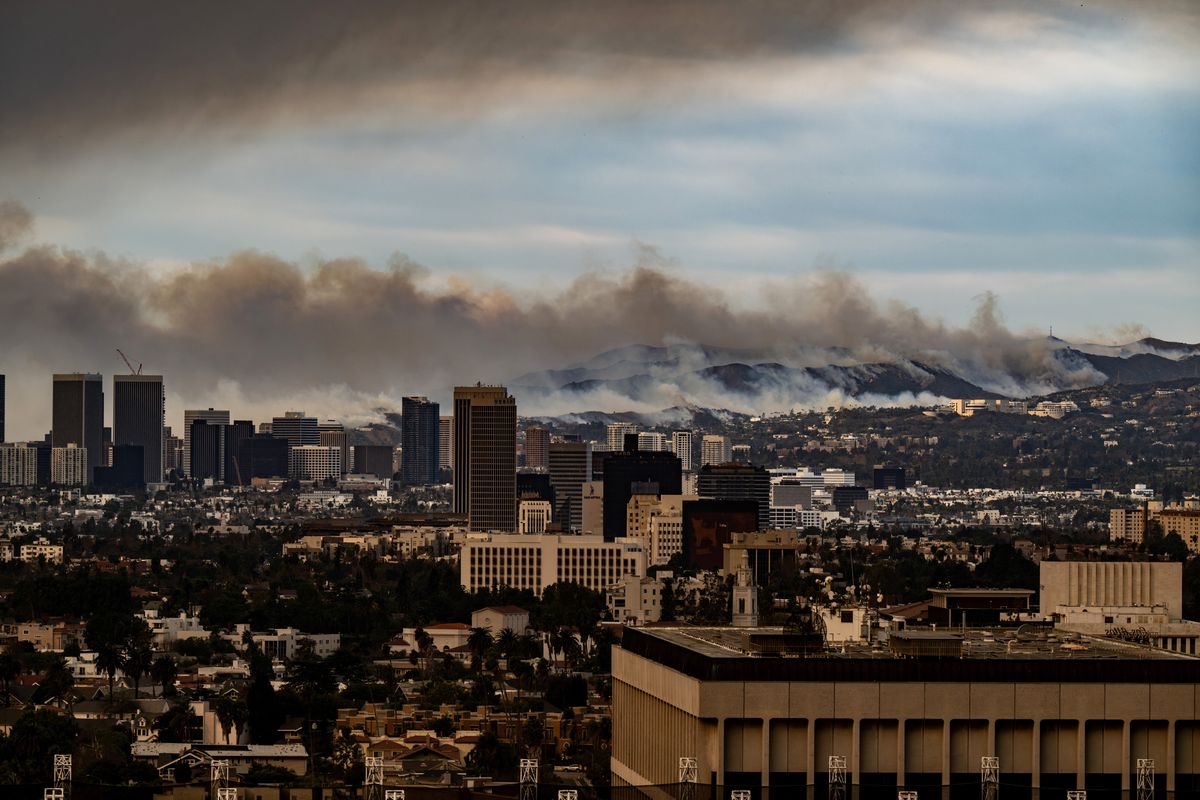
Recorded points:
(332, 433)
(373, 459)
(262, 456)
(537, 447)
(205, 450)
(485, 457)
(622, 470)
(78, 413)
(298, 428)
(570, 467)
(232, 436)
(715, 449)
(138, 408)
(737, 481)
(420, 435)
(616, 435)
(446, 442)
(212, 417)
(682, 446)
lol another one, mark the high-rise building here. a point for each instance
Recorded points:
(333, 434)
(127, 470)
(2, 439)
(652, 441)
(537, 447)
(570, 466)
(138, 409)
(212, 417)
(18, 464)
(313, 462)
(446, 442)
(622, 471)
(616, 435)
(297, 428)
(78, 413)
(715, 449)
(889, 476)
(682, 443)
(204, 455)
(485, 457)
(738, 481)
(373, 459)
(420, 435)
(173, 453)
(69, 465)
(262, 456)
(232, 436)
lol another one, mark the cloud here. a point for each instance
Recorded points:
(259, 334)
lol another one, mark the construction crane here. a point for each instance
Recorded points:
(132, 371)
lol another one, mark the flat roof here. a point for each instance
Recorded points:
(723, 653)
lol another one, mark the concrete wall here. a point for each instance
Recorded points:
(1112, 583)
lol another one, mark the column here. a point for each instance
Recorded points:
(1081, 754)
(901, 740)
(1126, 754)
(1035, 766)
(945, 758)
(766, 758)
(810, 755)
(1170, 765)
(854, 765)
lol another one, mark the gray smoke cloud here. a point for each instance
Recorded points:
(341, 338)
(77, 75)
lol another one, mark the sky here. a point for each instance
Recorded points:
(931, 153)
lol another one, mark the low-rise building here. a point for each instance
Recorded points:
(493, 560)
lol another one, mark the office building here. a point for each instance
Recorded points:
(489, 561)
(127, 470)
(838, 477)
(737, 481)
(18, 464)
(917, 713)
(232, 436)
(682, 445)
(205, 462)
(709, 525)
(297, 428)
(485, 457)
(1128, 524)
(889, 477)
(210, 416)
(593, 507)
(537, 447)
(656, 522)
(616, 435)
(262, 456)
(1181, 522)
(848, 498)
(535, 486)
(374, 459)
(652, 441)
(332, 433)
(622, 471)
(78, 414)
(69, 465)
(314, 462)
(715, 449)
(446, 442)
(570, 465)
(173, 453)
(534, 516)
(420, 435)
(138, 412)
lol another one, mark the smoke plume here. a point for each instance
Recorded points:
(341, 338)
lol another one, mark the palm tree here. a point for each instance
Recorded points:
(10, 668)
(108, 659)
(232, 713)
(137, 660)
(507, 642)
(163, 671)
(479, 640)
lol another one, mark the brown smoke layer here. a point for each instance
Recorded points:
(255, 331)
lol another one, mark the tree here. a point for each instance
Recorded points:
(137, 656)
(506, 642)
(10, 668)
(479, 640)
(444, 725)
(163, 670)
(232, 713)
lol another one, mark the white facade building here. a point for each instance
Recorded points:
(534, 562)
(635, 601)
(18, 465)
(682, 443)
(314, 462)
(715, 449)
(42, 548)
(616, 434)
(68, 465)
(650, 440)
(533, 516)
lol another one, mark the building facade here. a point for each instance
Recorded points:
(485, 457)
(78, 417)
(420, 437)
(570, 465)
(488, 561)
(69, 465)
(210, 416)
(18, 464)
(537, 447)
(715, 449)
(314, 462)
(139, 406)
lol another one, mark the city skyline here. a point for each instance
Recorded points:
(822, 176)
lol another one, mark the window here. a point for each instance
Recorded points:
(848, 616)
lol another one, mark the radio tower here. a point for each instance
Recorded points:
(373, 780)
(528, 777)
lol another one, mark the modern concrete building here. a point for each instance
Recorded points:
(715, 449)
(332, 433)
(1059, 715)
(737, 481)
(314, 462)
(373, 459)
(1127, 524)
(682, 445)
(78, 417)
(297, 427)
(446, 442)
(534, 516)
(139, 407)
(485, 457)
(210, 416)
(487, 561)
(537, 447)
(570, 465)
(420, 436)
(615, 435)
(18, 464)
(1081, 584)
(69, 465)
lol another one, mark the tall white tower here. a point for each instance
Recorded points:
(745, 596)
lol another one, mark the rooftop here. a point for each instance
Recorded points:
(724, 653)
